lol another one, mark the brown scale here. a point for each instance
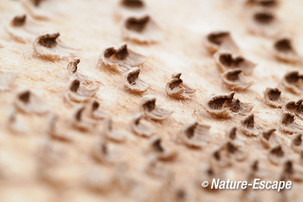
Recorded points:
(133, 83)
(110, 133)
(48, 40)
(234, 80)
(81, 121)
(133, 3)
(137, 24)
(141, 127)
(28, 102)
(219, 158)
(284, 50)
(177, 89)
(148, 104)
(77, 91)
(264, 3)
(120, 53)
(59, 129)
(292, 171)
(248, 126)
(293, 82)
(232, 133)
(73, 66)
(75, 85)
(273, 98)
(296, 143)
(227, 60)
(226, 106)
(120, 59)
(295, 107)
(159, 151)
(96, 112)
(220, 40)
(37, 2)
(25, 96)
(283, 45)
(217, 38)
(264, 22)
(269, 138)
(235, 151)
(195, 135)
(276, 155)
(264, 17)
(19, 20)
(231, 61)
(289, 125)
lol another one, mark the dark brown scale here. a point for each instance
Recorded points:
(37, 2)
(25, 96)
(75, 86)
(268, 3)
(231, 148)
(218, 102)
(264, 18)
(133, 3)
(235, 106)
(175, 83)
(48, 40)
(288, 167)
(287, 118)
(299, 107)
(217, 155)
(149, 105)
(104, 149)
(232, 133)
(210, 172)
(298, 140)
(137, 121)
(274, 94)
(75, 65)
(132, 77)
(228, 60)
(283, 45)
(136, 24)
(190, 131)
(278, 151)
(238, 60)
(181, 194)
(249, 122)
(157, 145)
(264, 3)
(291, 105)
(19, 20)
(109, 52)
(234, 75)
(293, 77)
(95, 106)
(295, 106)
(78, 115)
(122, 53)
(255, 166)
(268, 133)
(217, 38)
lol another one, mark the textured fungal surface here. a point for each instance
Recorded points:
(143, 100)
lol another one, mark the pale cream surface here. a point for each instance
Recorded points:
(93, 25)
